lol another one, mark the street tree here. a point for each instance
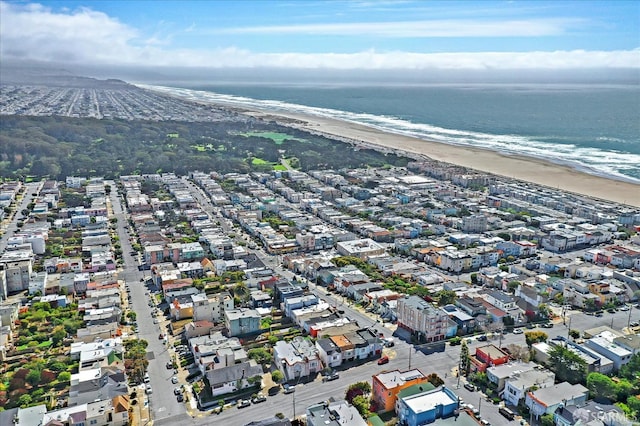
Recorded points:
(464, 365)
(532, 337)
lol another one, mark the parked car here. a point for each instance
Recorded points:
(383, 360)
(289, 388)
(547, 325)
(518, 331)
(258, 398)
(180, 398)
(160, 336)
(174, 380)
(177, 391)
(469, 387)
(169, 365)
(330, 377)
(244, 403)
(482, 338)
(148, 389)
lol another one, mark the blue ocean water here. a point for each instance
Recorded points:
(593, 128)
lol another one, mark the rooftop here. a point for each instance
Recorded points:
(554, 395)
(392, 379)
(507, 370)
(428, 400)
(492, 351)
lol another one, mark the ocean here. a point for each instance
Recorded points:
(592, 128)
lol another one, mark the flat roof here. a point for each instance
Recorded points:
(493, 351)
(392, 379)
(429, 400)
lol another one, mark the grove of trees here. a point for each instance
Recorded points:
(61, 146)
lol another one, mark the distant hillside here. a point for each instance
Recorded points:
(25, 74)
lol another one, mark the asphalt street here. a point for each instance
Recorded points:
(162, 401)
(12, 225)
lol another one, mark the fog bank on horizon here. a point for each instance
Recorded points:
(23, 71)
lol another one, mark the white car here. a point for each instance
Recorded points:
(148, 390)
(518, 331)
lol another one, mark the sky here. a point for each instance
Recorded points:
(350, 34)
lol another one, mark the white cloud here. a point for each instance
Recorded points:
(422, 29)
(84, 36)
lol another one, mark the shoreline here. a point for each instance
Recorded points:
(523, 168)
(528, 169)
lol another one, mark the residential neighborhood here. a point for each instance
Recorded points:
(283, 296)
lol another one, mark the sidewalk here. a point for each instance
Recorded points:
(140, 415)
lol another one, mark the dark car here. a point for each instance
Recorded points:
(482, 338)
(180, 398)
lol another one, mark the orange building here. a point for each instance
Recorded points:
(388, 384)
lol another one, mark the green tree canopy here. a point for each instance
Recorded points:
(464, 364)
(446, 297)
(260, 355)
(601, 386)
(568, 366)
(532, 337)
(277, 376)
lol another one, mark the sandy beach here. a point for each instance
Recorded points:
(528, 169)
(522, 168)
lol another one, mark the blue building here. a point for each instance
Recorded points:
(426, 407)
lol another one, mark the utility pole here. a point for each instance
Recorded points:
(410, 350)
